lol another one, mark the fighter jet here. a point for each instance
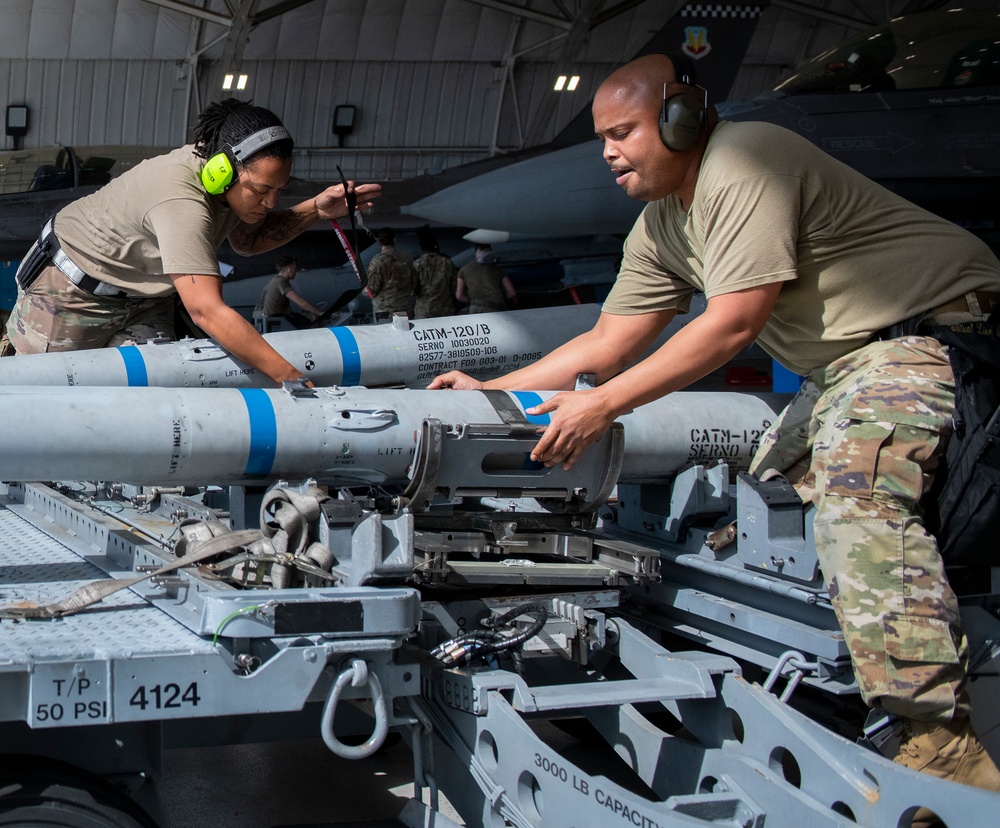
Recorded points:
(912, 104)
(35, 183)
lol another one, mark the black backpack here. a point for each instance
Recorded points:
(962, 508)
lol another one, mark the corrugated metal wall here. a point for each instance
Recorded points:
(411, 116)
(426, 75)
(97, 101)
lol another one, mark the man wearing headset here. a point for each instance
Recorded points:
(106, 267)
(814, 262)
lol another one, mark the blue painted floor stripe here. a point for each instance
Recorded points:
(350, 356)
(263, 431)
(135, 365)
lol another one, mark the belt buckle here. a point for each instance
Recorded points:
(988, 303)
(965, 308)
(104, 289)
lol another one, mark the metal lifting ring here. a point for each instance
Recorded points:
(796, 662)
(357, 674)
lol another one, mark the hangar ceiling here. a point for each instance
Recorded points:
(434, 83)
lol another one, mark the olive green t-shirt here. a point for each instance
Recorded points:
(273, 300)
(154, 221)
(768, 207)
(484, 285)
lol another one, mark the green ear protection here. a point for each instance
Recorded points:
(217, 174)
(219, 171)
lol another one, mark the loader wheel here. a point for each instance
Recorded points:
(37, 792)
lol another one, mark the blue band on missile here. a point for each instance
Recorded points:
(527, 400)
(263, 431)
(135, 365)
(349, 355)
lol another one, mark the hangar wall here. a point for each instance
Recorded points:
(412, 117)
(80, 102)
(430, 78)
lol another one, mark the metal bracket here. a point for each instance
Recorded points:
(493, 460)
(774, 529)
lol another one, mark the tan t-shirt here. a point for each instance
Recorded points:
(771, 207)
(154, 221)
(484, 285)
(273, 300)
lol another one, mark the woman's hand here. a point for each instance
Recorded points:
(332, 202)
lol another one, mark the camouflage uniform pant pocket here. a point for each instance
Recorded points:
(850, 461)
(923, 664)
(898, 614)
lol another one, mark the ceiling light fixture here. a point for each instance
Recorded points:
(231, 78)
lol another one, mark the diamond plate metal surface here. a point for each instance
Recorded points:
(36, 567)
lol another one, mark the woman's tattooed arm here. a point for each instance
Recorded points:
(279, 227)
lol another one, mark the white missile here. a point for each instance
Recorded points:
(403, 352)
(169, 436)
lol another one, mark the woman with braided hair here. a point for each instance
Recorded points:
(106, 267)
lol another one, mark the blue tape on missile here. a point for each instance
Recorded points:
(263, 431)
(527, 400)
(135, 365)
(349, 355)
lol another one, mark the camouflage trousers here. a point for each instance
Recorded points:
(387, 308)
(429, 309)
(475, 307)
(861, 440)
(56, 315)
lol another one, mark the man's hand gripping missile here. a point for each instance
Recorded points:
(577, 420)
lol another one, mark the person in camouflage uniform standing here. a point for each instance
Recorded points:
(823, 268)
(390, 277)
(436, 280)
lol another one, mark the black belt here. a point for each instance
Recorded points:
(47, 249)
(978, 304)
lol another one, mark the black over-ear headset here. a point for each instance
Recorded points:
(219, 171)
(683, 116)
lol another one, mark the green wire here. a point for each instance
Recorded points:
(230, 617)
